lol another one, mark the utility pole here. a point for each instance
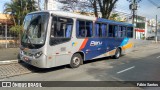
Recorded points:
(156, 37)
(39, 5)
(156, 30)
(6, 35)
(133, 6)
(45, 4)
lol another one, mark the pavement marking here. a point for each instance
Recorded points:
(158, 57)
(125, 70)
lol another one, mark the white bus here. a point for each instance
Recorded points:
(55, 38)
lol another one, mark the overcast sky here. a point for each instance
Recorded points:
(146, 8)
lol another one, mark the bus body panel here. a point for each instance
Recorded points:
(92, 48)
(102, 47)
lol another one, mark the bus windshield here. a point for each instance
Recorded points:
(35, 26)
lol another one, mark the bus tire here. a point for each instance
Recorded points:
(19, 60)
(76, 60)
(117, 53)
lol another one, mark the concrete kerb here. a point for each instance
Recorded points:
(8, 62)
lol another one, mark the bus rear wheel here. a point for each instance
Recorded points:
(117, 53)
(76, 61)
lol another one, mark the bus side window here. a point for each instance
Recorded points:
(89, 28)
(124, 32)
(81, 31)
(120, 31)
(61, 27)
(130, 32)
(100, 30)
(115, 31)
(97, 29)
(104, 30)
(68, 31)
(110, 31)
(54, 27)
(84, 28)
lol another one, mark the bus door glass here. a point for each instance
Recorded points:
(61, 30)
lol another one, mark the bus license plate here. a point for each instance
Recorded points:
(26, 59)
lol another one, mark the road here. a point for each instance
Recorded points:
(143, 64)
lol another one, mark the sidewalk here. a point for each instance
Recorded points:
(9, 54)
(138, 42)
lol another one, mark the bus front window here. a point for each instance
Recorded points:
(35, 26)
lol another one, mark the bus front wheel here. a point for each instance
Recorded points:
(117, 53)
(76, 60)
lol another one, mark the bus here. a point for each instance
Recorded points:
(55, 38)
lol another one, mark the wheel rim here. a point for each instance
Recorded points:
(118, 54)
(76, 61)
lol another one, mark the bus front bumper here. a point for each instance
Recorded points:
(37, 62)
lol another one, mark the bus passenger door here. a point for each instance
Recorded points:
(61, 31)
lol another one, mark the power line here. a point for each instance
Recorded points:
(153, 3)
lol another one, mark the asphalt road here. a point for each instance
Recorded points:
(143, 64)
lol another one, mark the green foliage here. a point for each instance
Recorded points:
(114, 17)
(18, 9)
(16, 29)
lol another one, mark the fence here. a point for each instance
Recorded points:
(10, 42)
(8, 39)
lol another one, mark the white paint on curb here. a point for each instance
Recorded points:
(8, 62)
(125, 70)
(2, 80)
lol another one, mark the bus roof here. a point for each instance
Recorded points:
(114, 22)
(67, 14)
(74, 15)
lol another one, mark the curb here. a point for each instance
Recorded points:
(8, 62)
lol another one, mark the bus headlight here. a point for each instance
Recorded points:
(37, 55)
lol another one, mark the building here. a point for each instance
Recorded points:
(52, 5)
(5, 35)
(141, 27)
(5, 22)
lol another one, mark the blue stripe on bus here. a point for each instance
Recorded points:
(93, 44)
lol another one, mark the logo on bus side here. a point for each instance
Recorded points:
(96, 43)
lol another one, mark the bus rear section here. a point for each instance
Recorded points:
(94, 48)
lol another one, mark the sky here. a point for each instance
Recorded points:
(145, 8)
(2, 2)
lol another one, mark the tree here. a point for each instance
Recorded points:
(17, 29)
(76, 5)
(18, 9)
(105, 7)
(114, 17)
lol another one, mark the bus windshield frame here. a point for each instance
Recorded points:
(35, 29)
